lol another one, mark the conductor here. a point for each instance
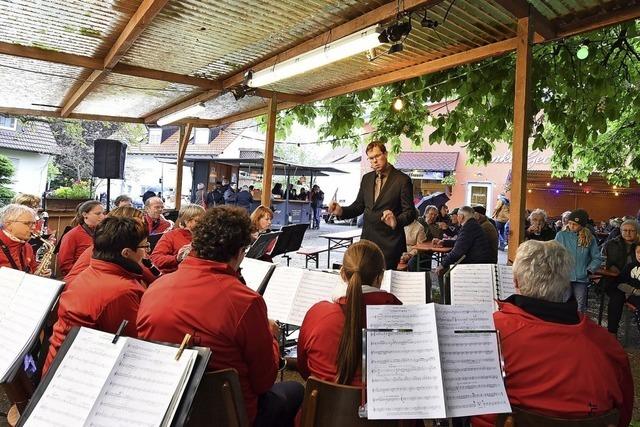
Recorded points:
(386, 198)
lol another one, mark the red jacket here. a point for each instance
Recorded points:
(72, 245)
(205, 299)
(21, 253)
(100, 297)
(561, 369)
(85, 259)
(166, 250)
(158, 226)
(320, 336)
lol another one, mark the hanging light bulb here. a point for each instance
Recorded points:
(583, 51)
(398, 104)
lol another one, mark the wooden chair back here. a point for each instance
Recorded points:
(219, 401)
(525, 418)
(328, 404)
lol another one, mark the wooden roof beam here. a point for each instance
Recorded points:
(522, 9)
(597, 22)
(75, 116)
(76, 98)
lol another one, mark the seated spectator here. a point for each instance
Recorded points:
(330, 341)
(471, 242)
(175, 245)
(489, 230)
(432, 228)
(443, 215)
(454, 225)
(156, 224)
(539, 229)
(558, 362)
(582, 246)
(414, 234)
(109, 290)
(204, 296)
(618, 252)
(629, 284)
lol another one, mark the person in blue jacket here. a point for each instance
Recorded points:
(583, 247)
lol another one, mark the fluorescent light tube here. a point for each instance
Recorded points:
(192, 111)
(316, 58)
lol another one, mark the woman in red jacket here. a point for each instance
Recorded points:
(330, 341)
(80, 237)
(18, 222)
(109, 291)
(175, 245)
(206, 299)
(149, 271)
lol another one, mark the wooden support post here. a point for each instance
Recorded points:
(267, 169)
(521, 130)
(185, 133)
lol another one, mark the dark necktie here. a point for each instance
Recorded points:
(378, 186)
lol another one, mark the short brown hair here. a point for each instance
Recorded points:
(221, 233)
(374, 144)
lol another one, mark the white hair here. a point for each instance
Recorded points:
(14, 211)
(631, 222)
(467, 212)
(542, 270)
(538, 212)
(429, 208)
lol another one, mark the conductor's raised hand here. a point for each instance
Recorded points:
(389, 218)
(334, 208)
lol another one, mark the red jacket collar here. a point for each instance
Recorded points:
(214, 267)
(112, 268)
(9, 242)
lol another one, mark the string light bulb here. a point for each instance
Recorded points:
(548, 184)
(398, 104)
(583, 52)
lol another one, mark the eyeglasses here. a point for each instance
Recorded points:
(147, 247)
(376, 157)
(29, 223)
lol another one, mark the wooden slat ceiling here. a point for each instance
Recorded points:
(137, 60)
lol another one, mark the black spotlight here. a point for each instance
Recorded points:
(239, 92)
(398, 31)
(395, 48)
(383, 37)
(428, 23)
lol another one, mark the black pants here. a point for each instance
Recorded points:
(278, 407)
(617, 299)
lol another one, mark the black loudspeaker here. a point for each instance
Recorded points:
(108, 158)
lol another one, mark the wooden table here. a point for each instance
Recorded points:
(340, 240)
(429, 247)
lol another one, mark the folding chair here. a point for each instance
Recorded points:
(525, 418)
(219, 401)
(328, 404)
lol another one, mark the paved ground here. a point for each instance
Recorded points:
(628, 335)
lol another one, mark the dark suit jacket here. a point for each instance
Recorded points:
(395, 195)
(472, 242)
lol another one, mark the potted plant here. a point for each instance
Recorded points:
(449, 181)
(67, 198)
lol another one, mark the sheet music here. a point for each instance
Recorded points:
(142, 385)
(408, 286)
(10, 280)
(281, 292)
(506, 286)
(254, 272)
(315, 286)
(403, 376)
(21, 321)
(472, 283)
(470, 361)
(78, 381)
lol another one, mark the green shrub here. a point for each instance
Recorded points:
(79, 190)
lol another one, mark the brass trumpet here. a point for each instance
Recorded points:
(45, 262)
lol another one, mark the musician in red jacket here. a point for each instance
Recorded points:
(150, 272)
(205, 298)
(18, 222)
(558, 362)
(175, 245)
(80, 237)
(109, 291)
(156, 223)
(330, 340)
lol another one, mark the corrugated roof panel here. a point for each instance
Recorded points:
(219, 37)
(24, 82)
(226, 105)
(120, 95)
(82, 27)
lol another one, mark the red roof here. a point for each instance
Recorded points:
(427, 161)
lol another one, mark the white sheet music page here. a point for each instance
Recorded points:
(254, 271)
(281, 291)
(472, 283)
(403, 376)
(506, 286)
(408, 286)
(10, 280)
(78, 381)
(144, 382)
(26, 312)
(315, 286)
(470, 361)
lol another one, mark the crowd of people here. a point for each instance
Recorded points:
(192, 283)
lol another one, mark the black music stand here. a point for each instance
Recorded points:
(290, 240)
(261, 245)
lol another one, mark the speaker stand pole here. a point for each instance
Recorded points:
(108, 194)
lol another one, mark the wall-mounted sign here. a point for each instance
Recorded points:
(535, 158)
(420, 174)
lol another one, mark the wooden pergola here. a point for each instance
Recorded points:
(140, 60)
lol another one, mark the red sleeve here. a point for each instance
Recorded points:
(31, 256)
(66, 253)
(259, 348)
(626, 385)
(302, 362)
(147, 276)
(164, 254)
(80, 265)
(125, 307)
